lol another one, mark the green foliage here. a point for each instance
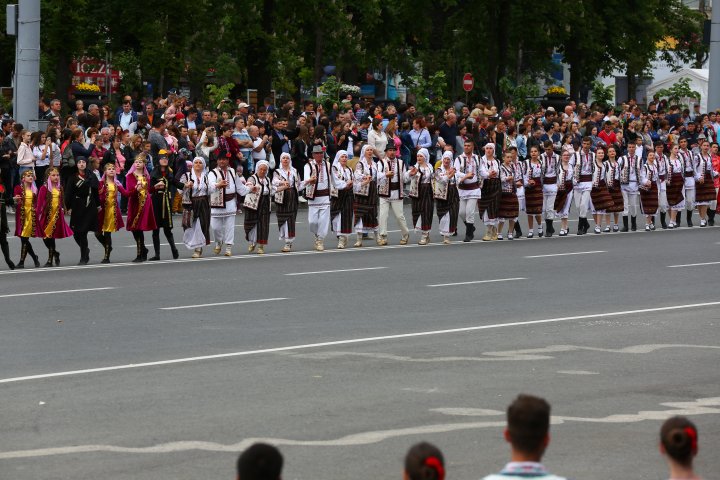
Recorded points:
(430, 92)
(129, 66)
(679, 91)
(217, 93)
(522, 95)
(602, 94)
(329, 92)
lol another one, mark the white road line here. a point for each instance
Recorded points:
(353, 341)
(477, 281)
(259, 300)
(693, 265)
(56, 291)
(566, 253)
(311, 252)
(334, 271)
(134, 246)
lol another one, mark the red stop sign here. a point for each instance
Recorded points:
(468, 82)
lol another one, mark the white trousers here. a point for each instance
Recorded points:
(468, 209)
(319, 220)
(549, 205)
(284, 234)
(663, 206)
(223, 229)
(582, 201)
(689, 198)
(565, 211)
(397, 209)
(632, 203)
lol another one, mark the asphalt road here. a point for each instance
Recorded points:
(158, 371)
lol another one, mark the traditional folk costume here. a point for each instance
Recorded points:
(162, 200)
(223, 207)
(421, 196)
(390, 193)
(489, 203)
(564, 195)
(318, 197)
(51, 219)
(533, 194)
(613, 182)
(257, 209)
(4, 229)
(648, 185)
(705, 191)
(109, 217)
(140, 217)
(582, 180)
(663, 167)
(629, 176)
(196, 210)
(469, 190)
(446, 192)
(26, 221)
(509, 204)
(341, 201)
(676, 184)
(520, 170)
(689, 187)
(82, 198)
(550, 163)
(286, 202)
(600, 197)
(366, 199)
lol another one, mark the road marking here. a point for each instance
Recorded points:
(566, 253)
(134, 246)
(56, 291)
(307, 252)
(334, 271)
(693, 265)
(259, 300)
(309, 346)
(477, 281)
(698, 406)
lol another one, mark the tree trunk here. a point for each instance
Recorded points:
(632, 84)
(62, 77)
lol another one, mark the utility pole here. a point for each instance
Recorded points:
(26, 86)
(714, 73)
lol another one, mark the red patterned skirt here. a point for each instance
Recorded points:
(533, 200)
(509, 205)
(600, 196)
(617, 198)
(649, 200)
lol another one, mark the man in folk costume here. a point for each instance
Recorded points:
(391, 174)
(223, 187)
(689, 175)
(318, 183)
(550, 162)
(663, 166)
(629, 176)
(582, 181)
(466, 167)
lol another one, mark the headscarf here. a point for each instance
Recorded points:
(425, 154)
(260, 164)
(50, 185)
(203, 173)
(33, 188)
(491, 145)
(282, 155)
(340, 153)
(447, 154)
(132, 170)
(362, 152)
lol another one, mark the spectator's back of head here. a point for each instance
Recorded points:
(260, 462)
(528, 425)
(679, 438)
(424, 461)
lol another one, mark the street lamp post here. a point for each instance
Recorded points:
(107, 70)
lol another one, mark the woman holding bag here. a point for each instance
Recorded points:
(196, 208)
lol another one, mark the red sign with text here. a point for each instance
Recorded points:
(93, 71)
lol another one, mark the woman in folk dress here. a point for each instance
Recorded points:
(447, 197)
(287, 184)
(420, 177)
(341, 199)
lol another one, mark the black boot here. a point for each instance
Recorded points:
(156, 246)
(173, 248)
(6, 252)
(106, 258)
(23, 255)
(549, 230)
(469, 227)
(140, 252)
(625, 224)
(51, 257)
(689, 218)
(581, 226)
(633, 224)
(35, 258)
(711, 217)
(518, 230)
(663, 224)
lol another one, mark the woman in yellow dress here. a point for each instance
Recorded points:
(109, 218)
(51, 215)
(25, 196)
